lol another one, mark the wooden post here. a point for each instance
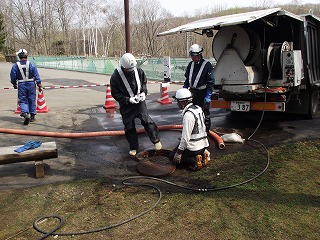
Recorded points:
(39, 169)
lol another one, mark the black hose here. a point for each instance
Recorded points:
(128, 182)
(207, 189)
(47, 234)
(53, 232)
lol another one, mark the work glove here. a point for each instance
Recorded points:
(28, 145)
(40, 87)
(15, 86)
(177, 158)
(134, 100)
(142, 97)
(207, 100)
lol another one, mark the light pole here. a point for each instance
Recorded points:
(127, 25)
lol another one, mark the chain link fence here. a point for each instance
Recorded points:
(153, 67)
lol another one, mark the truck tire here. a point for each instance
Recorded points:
(313, 103)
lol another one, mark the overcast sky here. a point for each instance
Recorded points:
(180, 7)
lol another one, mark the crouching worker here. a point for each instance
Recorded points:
(192, 149)
(129, 87)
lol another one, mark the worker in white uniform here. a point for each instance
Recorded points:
(192, 149)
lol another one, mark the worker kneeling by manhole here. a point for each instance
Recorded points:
(158, 164)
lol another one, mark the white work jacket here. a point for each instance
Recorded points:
(194, 135)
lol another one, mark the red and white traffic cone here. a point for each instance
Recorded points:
(109, 103)
(41, 103)
(164, 94)
(18, 111)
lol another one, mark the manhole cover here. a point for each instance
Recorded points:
(155, 163)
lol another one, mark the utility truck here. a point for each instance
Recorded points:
(267, 60)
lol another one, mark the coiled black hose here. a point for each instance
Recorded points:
(129, 181)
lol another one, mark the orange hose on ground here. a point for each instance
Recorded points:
(61, 134)
(98, 134)
(217, 138)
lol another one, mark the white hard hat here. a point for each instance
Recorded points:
(22, 53)
(128, 61)
(183, 94)
(195, 50)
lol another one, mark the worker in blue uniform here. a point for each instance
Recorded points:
(200, 81)
(25, 77)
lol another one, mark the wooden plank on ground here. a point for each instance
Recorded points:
(47, 150)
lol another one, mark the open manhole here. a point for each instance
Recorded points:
(155, 163)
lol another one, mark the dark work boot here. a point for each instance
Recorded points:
(26, 118)
(32, 118)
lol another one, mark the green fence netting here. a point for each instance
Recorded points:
(153, 67)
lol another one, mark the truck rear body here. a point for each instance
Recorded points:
(267, 60)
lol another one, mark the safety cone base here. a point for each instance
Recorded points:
(164, 101)
(110, 112)
(109, 106)
(18, 110)
(45, 110)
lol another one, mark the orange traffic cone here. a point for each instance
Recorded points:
(109, 99)
(164, 94)
(41, 103)
(18, 111)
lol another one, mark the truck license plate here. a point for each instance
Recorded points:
(240, 106)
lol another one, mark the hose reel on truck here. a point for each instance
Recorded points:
(246, 42)
(236, 50)
(244, 67)
(285, 66)
(236, 43)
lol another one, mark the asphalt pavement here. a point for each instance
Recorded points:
(80, 110)
(77, 110)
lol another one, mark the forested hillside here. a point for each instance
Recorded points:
(96, 27)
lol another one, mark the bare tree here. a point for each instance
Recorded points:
(88, 21)
(48, 27)
(6, 9)
(96, 27)
(65, 14)
(27, 23)
(2, 33)
(112, 24)
(264, 4)
(33, 23)
(146, 24)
